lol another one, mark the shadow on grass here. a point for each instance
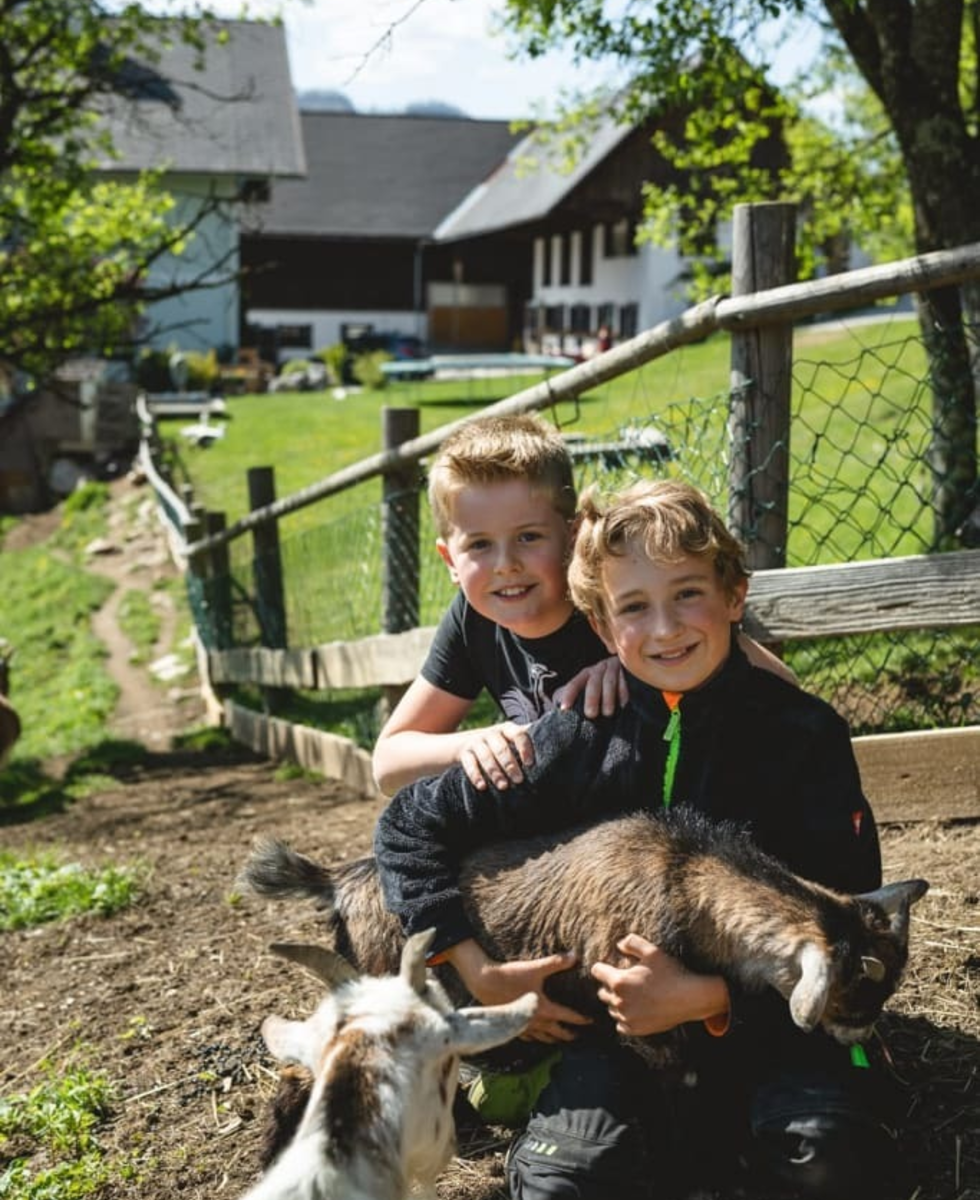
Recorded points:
(28, 793)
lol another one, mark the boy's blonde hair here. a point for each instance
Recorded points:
(668, 518)
(495, 450)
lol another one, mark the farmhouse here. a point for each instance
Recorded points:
(226, 130)
(463, 234)
(351, 245)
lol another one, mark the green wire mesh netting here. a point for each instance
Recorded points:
(860, 487)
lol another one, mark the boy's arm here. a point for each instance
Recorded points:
(429, 827)
(759, 656)
(421, 737)
(826, 831)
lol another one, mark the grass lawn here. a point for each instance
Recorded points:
(859, 483)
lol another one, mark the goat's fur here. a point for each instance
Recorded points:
(383, 1054)
(702, 892)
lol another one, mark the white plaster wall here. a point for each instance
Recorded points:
(650, 279)
(209, 317)
(326, 324)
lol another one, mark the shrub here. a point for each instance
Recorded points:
(335, 358)
(367, 369)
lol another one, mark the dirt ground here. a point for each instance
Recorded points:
(167, 997)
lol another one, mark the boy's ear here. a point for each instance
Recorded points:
(602, 632)
(736, 601)
(442, 546)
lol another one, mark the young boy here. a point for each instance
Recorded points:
(503, 500)
(664, 584)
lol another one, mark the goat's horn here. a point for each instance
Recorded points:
(413, 959)
(327, 965)
(872, 968)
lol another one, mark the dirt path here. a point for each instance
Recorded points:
(166, 997)
(134, 556)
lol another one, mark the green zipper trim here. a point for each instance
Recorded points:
(672, 734)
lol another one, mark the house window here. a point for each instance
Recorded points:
(619, 239)
(629, 320)
(586, 241)
(554, 318)
(605, 315)
(579, 318)
(565, 259)
(299, 336)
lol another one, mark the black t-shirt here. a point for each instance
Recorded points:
(470, 653)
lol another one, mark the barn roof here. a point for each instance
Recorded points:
(235, 116)
(528, 185)
(384, 176)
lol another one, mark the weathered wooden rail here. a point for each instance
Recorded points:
(876, 596)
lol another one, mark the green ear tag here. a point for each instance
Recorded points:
(858, 1056)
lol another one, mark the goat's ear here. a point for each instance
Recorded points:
(289, 1041)
(896, 899)
(478, 1029)
(809, 997)
(413, 960)
(328, 966)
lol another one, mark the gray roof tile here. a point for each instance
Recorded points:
(384, 176)
(237, 116)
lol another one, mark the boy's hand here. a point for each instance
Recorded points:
(655, 992)
(604, 685)
(498, 753)
(493, 982)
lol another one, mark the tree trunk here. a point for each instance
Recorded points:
(910, 55)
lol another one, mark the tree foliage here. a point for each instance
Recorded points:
(75, 245)
(900, 169)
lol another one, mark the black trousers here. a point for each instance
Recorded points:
(791, 1116)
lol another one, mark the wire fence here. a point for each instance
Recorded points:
(860, 487)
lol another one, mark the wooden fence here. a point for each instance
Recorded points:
(877, 596)
(906, 776)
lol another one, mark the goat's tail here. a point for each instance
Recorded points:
(276, 871)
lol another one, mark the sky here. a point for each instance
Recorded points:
(386, 54)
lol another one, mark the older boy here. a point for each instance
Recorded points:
(503, 499)
(664, 584)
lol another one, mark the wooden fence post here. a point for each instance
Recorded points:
(761, 383)
(219, 583)
(399, 535)
(270, 602)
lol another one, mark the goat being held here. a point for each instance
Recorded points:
(384, 1057)
(701, 892)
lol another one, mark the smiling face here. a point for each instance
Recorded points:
(507, 549)
(669, 622)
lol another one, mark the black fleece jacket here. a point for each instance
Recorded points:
(754, 750)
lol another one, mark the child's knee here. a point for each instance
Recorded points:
(578, 1155)
(826, 1157)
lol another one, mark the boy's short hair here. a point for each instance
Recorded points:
(498, 449)
(668, 518)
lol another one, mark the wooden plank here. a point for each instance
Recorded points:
(918, 592)
(262, 666)
(332, 756)
(386, 660)
(927, 775)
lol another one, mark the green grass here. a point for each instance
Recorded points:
(140, 622)
(57, 1122)
(59, 684)
(35, 889)
(861, 415)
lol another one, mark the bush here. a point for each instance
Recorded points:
(335, 359)
(153, 370)
(203, 370)
(367, 369)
